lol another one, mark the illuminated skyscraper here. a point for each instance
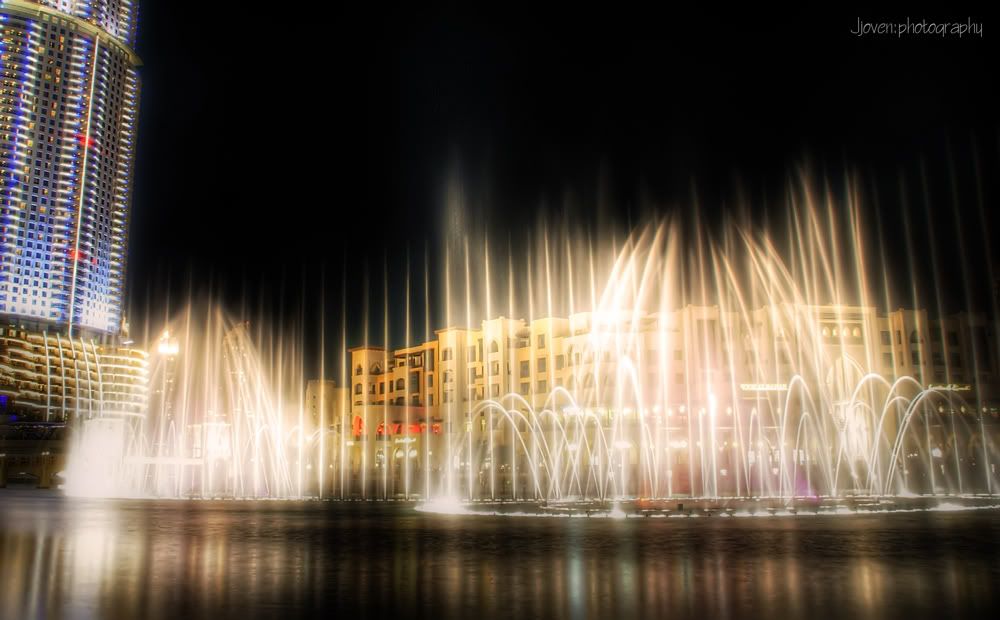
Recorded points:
(69, 93)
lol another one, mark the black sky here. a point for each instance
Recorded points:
(275, 142)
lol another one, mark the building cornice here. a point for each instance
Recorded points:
(38, 11)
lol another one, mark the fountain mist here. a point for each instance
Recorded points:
(676, 361)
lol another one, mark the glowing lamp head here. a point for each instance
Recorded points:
(167, 346)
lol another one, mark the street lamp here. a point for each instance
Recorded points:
(167, 346)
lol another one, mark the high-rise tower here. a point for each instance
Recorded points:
(69, 92)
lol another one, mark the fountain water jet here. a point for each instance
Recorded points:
(218, 424)
(709, 367)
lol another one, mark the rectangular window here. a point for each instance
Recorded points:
(494, 369)
(886, 339)
(525, 388)
(541, 341)
(543, 386)
(979, 338)
(525, 369)
(899, 337)
(560, 362)
(430, 380)
(541, 364)
(446, 355)
(915, 357)
(887, 358)
(678, 355)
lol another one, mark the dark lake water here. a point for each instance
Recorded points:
(71, 558)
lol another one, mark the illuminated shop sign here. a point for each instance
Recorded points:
(764, 387)
(951, 387)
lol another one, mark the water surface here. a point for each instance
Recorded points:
(74, 558)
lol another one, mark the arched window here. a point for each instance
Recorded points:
(359, 370)
(400, 384)
(494, 347)
(914, 337)
(357, 388)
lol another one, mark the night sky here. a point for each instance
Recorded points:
(272, 144)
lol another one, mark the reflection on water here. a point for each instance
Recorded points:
(146, 559)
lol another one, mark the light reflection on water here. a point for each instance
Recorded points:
(133, 559)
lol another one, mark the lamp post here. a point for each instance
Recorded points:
(168, 348)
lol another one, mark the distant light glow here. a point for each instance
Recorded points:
(764, 387)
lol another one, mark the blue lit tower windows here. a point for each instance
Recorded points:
(69, 93)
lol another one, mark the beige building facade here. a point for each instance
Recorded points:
(419, 417)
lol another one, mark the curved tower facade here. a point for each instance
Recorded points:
(69, 92)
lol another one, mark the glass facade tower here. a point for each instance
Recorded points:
(69, 92)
